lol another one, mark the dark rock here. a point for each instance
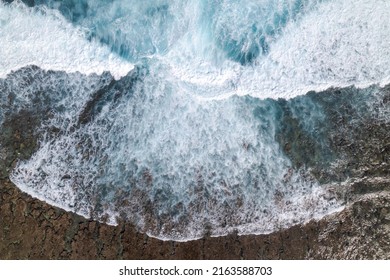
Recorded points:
(353, 156)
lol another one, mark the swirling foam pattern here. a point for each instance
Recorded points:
(185, 143)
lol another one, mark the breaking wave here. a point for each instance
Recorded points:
(181, 138)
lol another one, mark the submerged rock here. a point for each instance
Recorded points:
(339, 136)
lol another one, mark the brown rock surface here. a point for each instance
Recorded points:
(31, 229)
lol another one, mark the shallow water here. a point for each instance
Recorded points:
(187, 133)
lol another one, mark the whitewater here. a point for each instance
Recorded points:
(167, 109)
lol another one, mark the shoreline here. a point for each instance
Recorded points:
(356, 151)
(32, 229)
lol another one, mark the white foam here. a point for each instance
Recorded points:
(210, 162)
(337, 44)
(44, 38)
(342, 43)
(179, 126)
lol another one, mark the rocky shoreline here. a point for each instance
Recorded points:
(356, 137)
(32, 229)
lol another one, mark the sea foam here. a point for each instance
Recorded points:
(42, 37)
(185, 143)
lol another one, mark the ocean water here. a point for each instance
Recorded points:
(171, 114)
